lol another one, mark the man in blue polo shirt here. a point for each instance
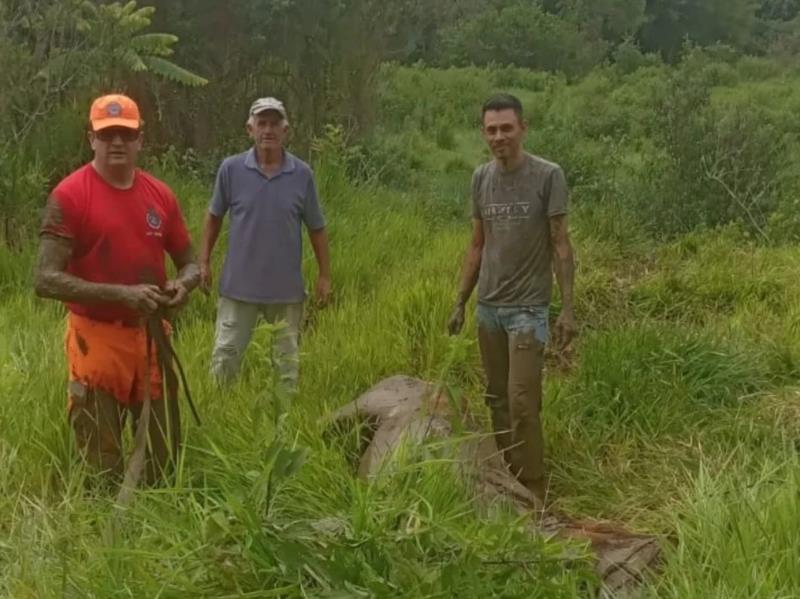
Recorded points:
(269, 193)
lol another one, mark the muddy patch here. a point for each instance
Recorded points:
(82, 345)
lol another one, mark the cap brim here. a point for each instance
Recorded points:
(115, 122)
(270, 109)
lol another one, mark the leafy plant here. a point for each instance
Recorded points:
(122, 47)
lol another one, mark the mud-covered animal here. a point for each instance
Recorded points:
(404, 409)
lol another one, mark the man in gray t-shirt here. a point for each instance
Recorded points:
(520, 236)
(269, 194)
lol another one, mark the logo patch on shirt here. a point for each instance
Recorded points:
(153, 219)
(507, 212)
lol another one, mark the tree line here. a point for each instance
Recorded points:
(195, 65)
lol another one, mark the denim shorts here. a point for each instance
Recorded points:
(516, 319)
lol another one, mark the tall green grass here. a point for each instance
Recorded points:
(678, 416)
(650, 409)
(741, 533)
(217, 531)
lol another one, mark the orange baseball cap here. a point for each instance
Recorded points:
(114, 110)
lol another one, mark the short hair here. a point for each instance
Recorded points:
(502, 102)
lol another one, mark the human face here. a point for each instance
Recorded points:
(116, 147)
(268, 130)
(503, 132)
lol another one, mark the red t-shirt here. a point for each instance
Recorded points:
(119, 235)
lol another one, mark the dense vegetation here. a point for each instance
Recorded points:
(677, 124)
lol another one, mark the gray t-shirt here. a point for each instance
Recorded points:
(515, 207)
(265, 247)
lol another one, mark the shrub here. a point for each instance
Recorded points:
(656, 380)
(521, 34)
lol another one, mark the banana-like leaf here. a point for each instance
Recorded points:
(169, 70)
(154, 44)
(135, 22)
(132, 60)
(145, 12)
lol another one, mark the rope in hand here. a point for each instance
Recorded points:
(166, 359)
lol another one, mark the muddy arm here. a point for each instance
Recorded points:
(564, 267)
(186, 280)
(53, 281)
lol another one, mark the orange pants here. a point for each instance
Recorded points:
(111, 358)
(108, 370)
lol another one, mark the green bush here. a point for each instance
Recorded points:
(524, 35)
(413, 98)
(665, 150)
(445, 138)
(739, 532)
(713, 165)
(516, 77)
(628, 57)
(656, 380)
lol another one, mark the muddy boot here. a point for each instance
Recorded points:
(97, 420)
(494, 355)
(161, 456)
(526, 361)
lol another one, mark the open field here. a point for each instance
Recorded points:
(678, 416)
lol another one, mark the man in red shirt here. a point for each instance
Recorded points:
(103, 237)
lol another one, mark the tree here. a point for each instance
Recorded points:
(54, 56)
(779, 10)
(320, 56)
(521, 34)
(122, 47)
(670, 23)
(610, 20)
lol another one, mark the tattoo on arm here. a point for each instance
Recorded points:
(53, 218)
(55, 250)
(54, 255)
(54, 282)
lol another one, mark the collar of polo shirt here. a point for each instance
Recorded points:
(251, 161)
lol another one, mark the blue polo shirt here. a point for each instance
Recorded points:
(265, 246)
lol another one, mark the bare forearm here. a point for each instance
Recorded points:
(564, 266)
(188, 270)
(319, 242)
(189, 276)
(469, 274)
(211, 229)
(469, 277)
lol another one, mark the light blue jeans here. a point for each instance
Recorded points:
(516, 319)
